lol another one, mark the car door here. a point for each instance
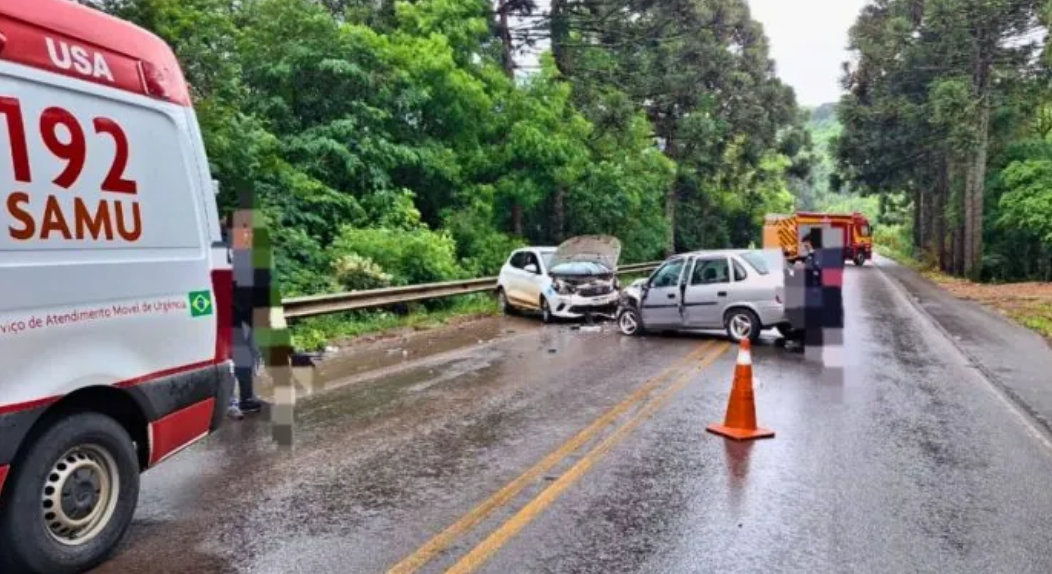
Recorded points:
(661, 304)
(707, 292)
(532, 279)
(514, 274)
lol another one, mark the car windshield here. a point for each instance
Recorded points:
(547, 257)
(757, 261)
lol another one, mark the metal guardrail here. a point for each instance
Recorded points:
(315, 305)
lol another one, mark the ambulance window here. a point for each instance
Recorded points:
(864, 230)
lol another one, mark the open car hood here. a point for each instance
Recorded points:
(586, 252)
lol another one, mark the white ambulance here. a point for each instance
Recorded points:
(114, 285)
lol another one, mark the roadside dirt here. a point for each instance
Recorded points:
(1029, 304)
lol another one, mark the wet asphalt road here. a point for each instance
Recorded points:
(912, 463)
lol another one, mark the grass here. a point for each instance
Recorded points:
(316, 333)
(1029, 304)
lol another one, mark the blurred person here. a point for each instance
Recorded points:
(806, 276)
(246, 353)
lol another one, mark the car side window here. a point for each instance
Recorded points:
(531, 258)
(739, 271)
(710, 271)
(518, 260)
(668, 275)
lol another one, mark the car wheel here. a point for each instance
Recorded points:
(71, 497)
(502, 303)
(546, 311)
(628, 322)
(742, 324)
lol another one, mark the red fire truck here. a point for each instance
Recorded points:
(783, 232)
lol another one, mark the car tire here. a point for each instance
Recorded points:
(741, 323)
(503, 305)
(546, 312)
(634, 326)
(81, 452)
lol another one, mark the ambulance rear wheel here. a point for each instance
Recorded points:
(70, 498)
(860, 259)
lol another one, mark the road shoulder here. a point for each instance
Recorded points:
(1013, 357)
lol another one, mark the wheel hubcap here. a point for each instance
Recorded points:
(741, 326)
(628, 323)
(80, 495)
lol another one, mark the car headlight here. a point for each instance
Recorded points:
(562, 287)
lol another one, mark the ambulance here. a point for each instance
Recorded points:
(114, 281)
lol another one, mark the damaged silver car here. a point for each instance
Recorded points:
(730, 290)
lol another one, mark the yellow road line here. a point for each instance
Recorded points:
(485, 550)
(444, 539)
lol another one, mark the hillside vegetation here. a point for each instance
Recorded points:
(947, 113)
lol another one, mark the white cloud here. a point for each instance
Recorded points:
(809, 43)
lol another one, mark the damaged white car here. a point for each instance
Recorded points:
(569, 282)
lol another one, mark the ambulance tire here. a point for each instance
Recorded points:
(99, 446)
(860, 259)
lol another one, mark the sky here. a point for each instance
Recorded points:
(808, 43)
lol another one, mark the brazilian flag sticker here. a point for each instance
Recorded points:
(200, 303)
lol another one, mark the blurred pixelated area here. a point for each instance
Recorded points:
(814, 297)
(255, 284)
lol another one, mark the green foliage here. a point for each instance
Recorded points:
(1027, 206)
(357, 273)
(409, 256)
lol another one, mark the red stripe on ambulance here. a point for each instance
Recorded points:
(180, 429)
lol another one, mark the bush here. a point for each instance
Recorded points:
(894, 238)
(356, 273)
(409, 257)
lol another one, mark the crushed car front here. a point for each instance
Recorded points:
(584, 277)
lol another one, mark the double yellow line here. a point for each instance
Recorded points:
(694, 362)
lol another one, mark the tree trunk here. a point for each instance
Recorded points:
(560, 33)
(918, 221)
(976, 176)
(505, 39)
(670, 193)
(957, 266)
(670, 215)
(516, 219)
(559, 214)
(938, 215)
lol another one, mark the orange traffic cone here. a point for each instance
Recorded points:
(740, 422)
